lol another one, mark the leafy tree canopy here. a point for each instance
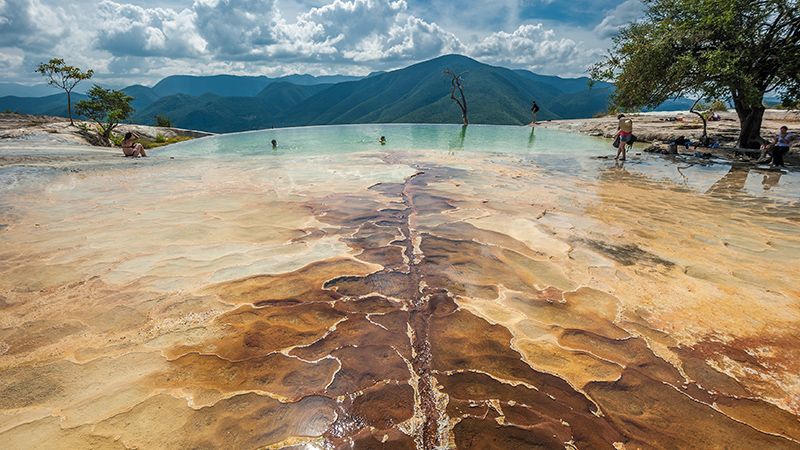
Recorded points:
(66, 77)
(107, 107)
(733, 49)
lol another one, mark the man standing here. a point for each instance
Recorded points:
(534, 110)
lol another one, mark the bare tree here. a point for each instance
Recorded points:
(65, 77)
(457, 80)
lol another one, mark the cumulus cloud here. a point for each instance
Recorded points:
(129, 30)
(31, 25)
(364, 30)
(626, 12)
(535, 48)
(236, 28)
(144, 42)
(341, 32)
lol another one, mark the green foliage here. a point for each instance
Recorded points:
(718, 105)
(107, 107)
(736, 49)
(715, 105)
(163, 122)
(63, 76)
(147, 144)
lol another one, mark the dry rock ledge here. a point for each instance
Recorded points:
(657, 130)
(46, 140)
(27, 139)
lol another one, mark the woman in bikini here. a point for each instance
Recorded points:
(132, 148)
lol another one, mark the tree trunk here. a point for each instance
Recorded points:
(750, 118)
(705, 129)
(69, 108)
(463, 105)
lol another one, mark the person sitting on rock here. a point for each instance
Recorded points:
(132, 148)
(781, 146)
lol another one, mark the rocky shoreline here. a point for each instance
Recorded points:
(27, 139)
(658, 129)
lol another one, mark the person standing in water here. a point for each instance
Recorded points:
(274, 143)
(624, 132)
(383, 140)
(534, 110)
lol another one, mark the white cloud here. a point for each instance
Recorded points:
(236, 28)
(126, 43)
(129, 30)
(366, 30)
(31, 25)
(537, 49)
(623, 14)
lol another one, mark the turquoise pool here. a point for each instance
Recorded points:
(343, 139)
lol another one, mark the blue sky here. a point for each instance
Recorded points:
(143, 41)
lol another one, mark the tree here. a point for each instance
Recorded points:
(65, 77)
(107, 107)
(457, 80)
(732, 49)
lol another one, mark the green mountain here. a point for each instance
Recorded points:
(234, 86)
(415, 94)
(421, 94)
(51, 105)
(218, 114)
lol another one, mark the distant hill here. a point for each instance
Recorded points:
(21, 90)
(415, 94)
(420, 94)
(51, 105)
(234, 86)
(566, 85)
(218, 114)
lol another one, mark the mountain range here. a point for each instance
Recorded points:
(416, 94)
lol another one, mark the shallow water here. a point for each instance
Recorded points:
(367, 296)
(344, 139)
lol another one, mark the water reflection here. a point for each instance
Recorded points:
(771, 178)
(731, 183)
(532, 138)
(457, 142)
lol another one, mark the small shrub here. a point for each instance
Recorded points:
(788, 104)
(718, 105)
(160, 139)
(162, 121)
(153, 144)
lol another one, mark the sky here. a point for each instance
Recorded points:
(143, 41)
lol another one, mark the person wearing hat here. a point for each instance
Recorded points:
(624, 132)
